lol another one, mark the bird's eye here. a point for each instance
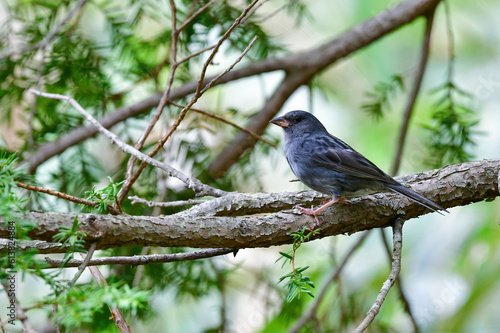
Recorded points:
(298, 119)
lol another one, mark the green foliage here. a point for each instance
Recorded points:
(11, 205)
(113, 53)
(71, 238)
(451, 132)
(78, 307)
(297, 283)
(379, 100)
(106, 196)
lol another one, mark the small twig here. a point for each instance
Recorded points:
(396, 268)
(40, 246)
(29, 132)
(135, 199)
(335, 273)
(83, 265)
(192, 183)
(198, 12)
(142, 260)
(130, 180)
(210, 58)
(116, 314)
(270, 15)
(140, 269)
(65, 196)
(213, 115)
(424, 55)
(196, 53)
(132, 177)
(399, 284)
(451, 42)
(48, 38)
(166, 94)
(214, 80)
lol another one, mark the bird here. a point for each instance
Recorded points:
(328, 165)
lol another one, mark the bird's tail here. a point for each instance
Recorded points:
(417, 197)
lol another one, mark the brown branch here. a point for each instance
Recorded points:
(334, 275)
(410, 106)
(399, 285)
(320, 57)
(84, 263)
(224, 120)
(192, 183)
(166, 94)
(41, 246)
(258, 123)
(65, 196)
(142, 259)
(136, 200)
(396, 268)
(132, 177)
(116, 314)
(259, 220)
(130, 180)
(311, 63)
(424, 55)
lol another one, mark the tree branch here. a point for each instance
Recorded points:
(83, 264)
(315, 59)
(142, 259)
(116, 313)
(130, 179)
(259, 220)
(136, 200)
(257, 125)
(194, 184)
(424, 55)
(308, 64)
(399, 285)
(65, 196)
(409, 108)
(166, 94)
(396, 268)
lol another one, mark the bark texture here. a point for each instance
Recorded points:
(240, 220)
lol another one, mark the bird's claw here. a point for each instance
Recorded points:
(309, 211)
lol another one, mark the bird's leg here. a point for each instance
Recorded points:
(315, 212)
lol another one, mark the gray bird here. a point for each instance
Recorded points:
(329, 165)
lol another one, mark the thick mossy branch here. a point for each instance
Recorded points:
(260, 220)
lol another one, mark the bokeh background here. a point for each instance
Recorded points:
(449, 270)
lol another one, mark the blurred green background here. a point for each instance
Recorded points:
(105, 59)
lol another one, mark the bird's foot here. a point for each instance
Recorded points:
(315, 212)
(309, 211)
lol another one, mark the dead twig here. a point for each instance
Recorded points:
(396, 268)
(194, 184)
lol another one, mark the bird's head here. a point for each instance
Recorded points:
(300, 122)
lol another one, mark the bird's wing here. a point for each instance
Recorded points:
(334, 154)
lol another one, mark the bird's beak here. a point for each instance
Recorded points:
(281, 122)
